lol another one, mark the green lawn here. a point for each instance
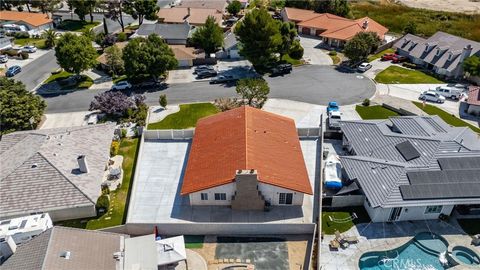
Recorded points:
(335, 59)
(119, 78)
(286, 58)
(340, 219)
(447, 117)
(194, 241)
(187, 117)
(396, 74)
(118, 198)
(37, 42)
(378, 55)
(470, 226)
(76, 25)
(374, 112)
(395, 17)
(84, 82)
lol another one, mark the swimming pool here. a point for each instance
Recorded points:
(466, 255)
(422, 252)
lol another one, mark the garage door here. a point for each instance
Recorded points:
(306, 30)
(184, 63)
(318, 32)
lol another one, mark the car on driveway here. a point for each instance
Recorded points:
(29, 49)
(206, 74)
(334, 118)
(364, 67)
(388, 56)
(123, 85)
(3, 59)
(448, 92)
(399, 59)
(432, 97)
(198, 69)
(332, 106)
(281, 69)
(223, 79)
(12, 71)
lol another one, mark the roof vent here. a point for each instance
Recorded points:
(365, 24)
(252, 171)
(65, 255)
(82, 164)
(34, 165)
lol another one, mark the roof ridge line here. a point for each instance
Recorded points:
(48, 247)
(246, 136)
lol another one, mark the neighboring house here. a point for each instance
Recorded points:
(68, 248)
(230, 47)
(219, 5)
(243, 2)
(334, 30)
(248, 159)
(33, 22)
(473, 100)
(6, 43)
(412, 168)
(173, 34)
(185, 55)
(194, 16)
(442, 53)
(56, 171)
(23, 229)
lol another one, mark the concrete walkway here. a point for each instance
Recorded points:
(158, 113)
(312, 52)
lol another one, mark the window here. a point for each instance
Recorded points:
(220, 197)
(285, 198)
(450, 57)
(434, 209)
(204, 196)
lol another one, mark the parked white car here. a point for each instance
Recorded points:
(448, 92)
(432, 96)
(364, 67)
(334, 118)
(122, 85)
(3, 59)
(29, 49)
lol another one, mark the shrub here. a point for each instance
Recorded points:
(114, 148)
(121, 37)
(296, 51)
(11, 52)
(410, 65)
(24, 55)
(103, 202)
(21, 35)
(123, 133)
(332, 53)
(366, 102)
(105, 190)
(225, 104)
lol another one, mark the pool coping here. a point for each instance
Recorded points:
(460, 263)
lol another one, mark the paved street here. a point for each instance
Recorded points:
(312, 84)
(36, 72)
(111, 25)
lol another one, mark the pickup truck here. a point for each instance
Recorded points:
(334, 118)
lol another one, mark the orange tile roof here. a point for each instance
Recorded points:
(197, 16)
(298, 15)
(246, 138)
(35, 19)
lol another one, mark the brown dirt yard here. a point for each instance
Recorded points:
(463, 6)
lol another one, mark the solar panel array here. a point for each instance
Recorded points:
(459, 178)
(407, 150)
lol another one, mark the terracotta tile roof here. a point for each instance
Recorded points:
(299, 15)
(246, 138)
(197, 16)
(35, 19)
(474, 95)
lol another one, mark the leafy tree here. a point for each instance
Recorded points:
(296, 50)
(140, 9)
(307, 4)
(112, 103)
(254, 92)
(410, 28)
(148, 56)
(208, 37)
(234, 7)
(277, 4)
(289, 33)
(83, 8)
(471, 65)
(105, 27)
(75, 53)
(89, 33)
(114, 11)
(8, 4)
(113, 56)
(18, 106)
(361, 45)
(337, 7)
(47, 6)
(50, 37)
(163, 101)
(259, 37)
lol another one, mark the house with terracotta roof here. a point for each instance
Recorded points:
(35, 22)
(334, 30)
(473, 100)
(193, 15)
(246, 158)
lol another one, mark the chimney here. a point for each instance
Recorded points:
(188, 12)
(467, 51)
(82, 163)
(365, 24)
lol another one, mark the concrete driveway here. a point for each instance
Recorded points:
(312, 53)
(31, 57)
(61, 120)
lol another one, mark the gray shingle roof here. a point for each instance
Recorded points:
(55, 182)
(166, 31)
(380, 168)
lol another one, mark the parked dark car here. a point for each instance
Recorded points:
(202, 68)
(12, 71)
(206, 74)
(146, 85)
(281, 69)
(399, 59)
(277, 16)
(223, 79)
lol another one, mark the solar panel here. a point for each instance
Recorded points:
(407, 150)
(459, 163)
(440, 191)
(444, 177)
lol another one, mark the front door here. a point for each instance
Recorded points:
(395, 214)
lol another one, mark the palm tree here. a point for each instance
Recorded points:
(50, 36)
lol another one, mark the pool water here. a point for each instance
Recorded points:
(420, 253)
(466, 256)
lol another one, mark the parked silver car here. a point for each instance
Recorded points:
(432, 97)
(448, 92)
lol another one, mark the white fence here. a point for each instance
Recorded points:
(311, 132)
(169, 134)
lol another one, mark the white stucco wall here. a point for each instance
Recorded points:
(408, 213)
(271, 194)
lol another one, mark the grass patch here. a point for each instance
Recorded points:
(187, 117)
(286, 58)
(119, 78)
(374, 112)
(470, 226)
(58, 76)
(194, 241)
(380, 54)
(37, 42)
(118, 198)
(330, 226)
(395, 17)
(447, 117)
(396, 74)
(84, 82)
(77, 25)
(335, 59)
